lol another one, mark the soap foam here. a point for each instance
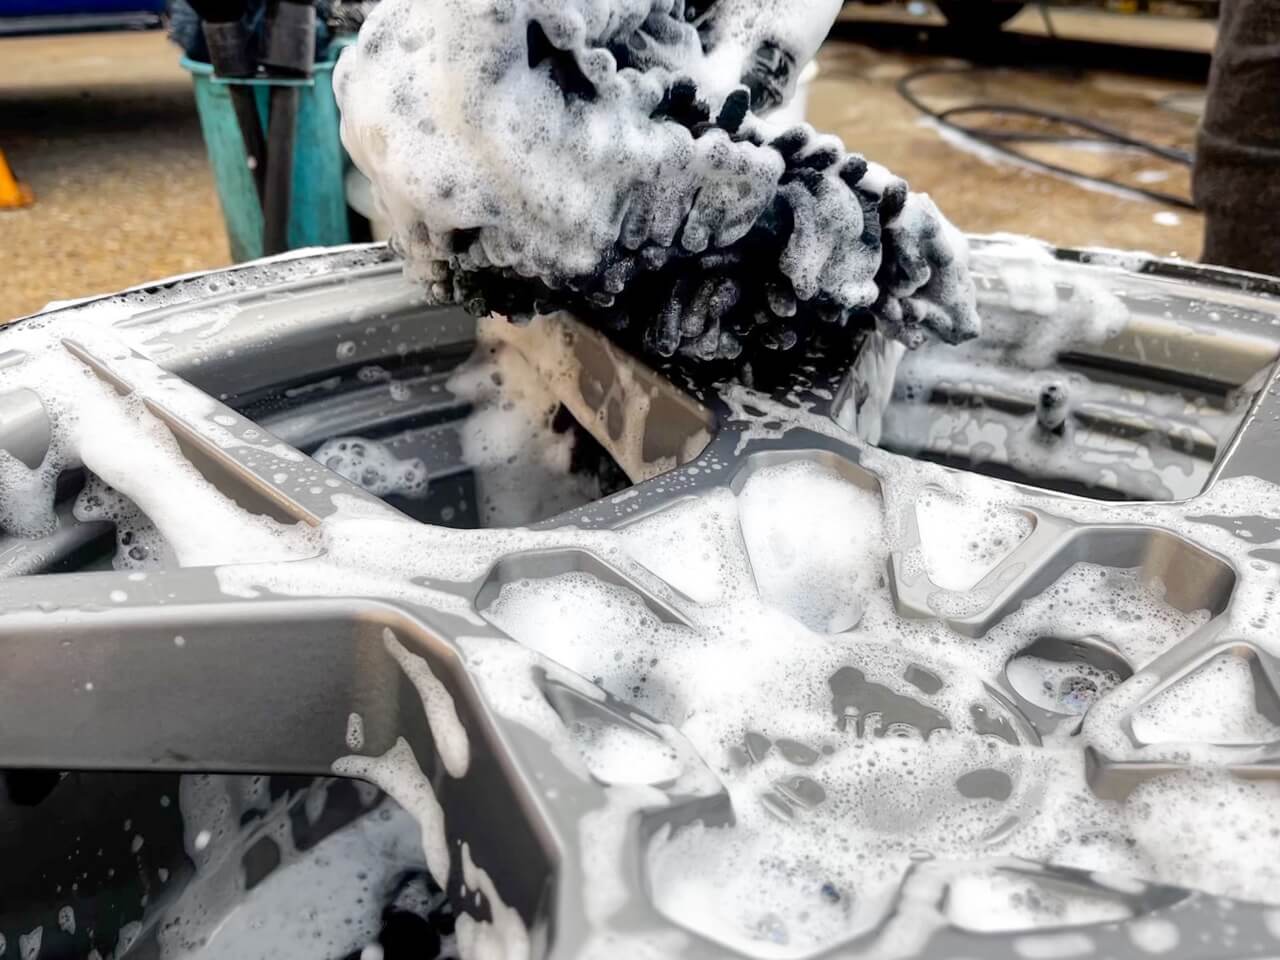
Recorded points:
(616, 754)
(1216, 703)
(662, 544)
(326, 897)
(814, 541)
(123, 444)
(1182, 825)
(437, 703)
(139, 545)
(1060, 686)
(503, 936)
(961, 544)
(1154, 934)
(397, 772)
(1004, 900)
(793, 777)
(374, 466)
(521, 462)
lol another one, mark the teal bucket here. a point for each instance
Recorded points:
(319, 212)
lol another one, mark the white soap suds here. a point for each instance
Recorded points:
(1029, 395)
(355, 731)
(708, 877)
(29, 943)
(1214, 704)
(139, 545)
(815, 542)
(121, 441)
(1045, 320)
(616, 754)
(503, 936)
(521, 462)
(1007, 901)
(1153, 934)
(1178, 822)
(662, 544)
(961, 542)
(374, 466)
(1271, 919)
(442, 716)
(883, 813)
(563, 617)
(1060, 686)
(397, 772)
(324, 900)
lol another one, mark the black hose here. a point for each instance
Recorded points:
(999, 140)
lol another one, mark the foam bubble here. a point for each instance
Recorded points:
(617, 754)
(1006, 901)
(963, 539)
(373, 465)
(1154, 934)
(397, 772)
(1216, 704)
(328, 897)
(816, 543)
(29, 943)
(1179, 823)
(521, 461)
(437, 703)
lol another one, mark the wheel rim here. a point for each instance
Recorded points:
(300, 646)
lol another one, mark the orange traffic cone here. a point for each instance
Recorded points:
(12, 193)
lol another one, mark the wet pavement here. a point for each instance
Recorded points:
(103, 128)
(855, 97)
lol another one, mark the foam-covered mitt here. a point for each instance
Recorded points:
(604, 157)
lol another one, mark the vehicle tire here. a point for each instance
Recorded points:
(978, 16)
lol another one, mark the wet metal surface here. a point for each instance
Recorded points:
(297, 668)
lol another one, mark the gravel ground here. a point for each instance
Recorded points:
(103, 128)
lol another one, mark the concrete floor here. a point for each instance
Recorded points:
(103, 128)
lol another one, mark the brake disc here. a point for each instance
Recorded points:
(171, 728)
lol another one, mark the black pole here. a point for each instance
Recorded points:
(278, 199)
(231, 55)
(291, 51)
(255, 145)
